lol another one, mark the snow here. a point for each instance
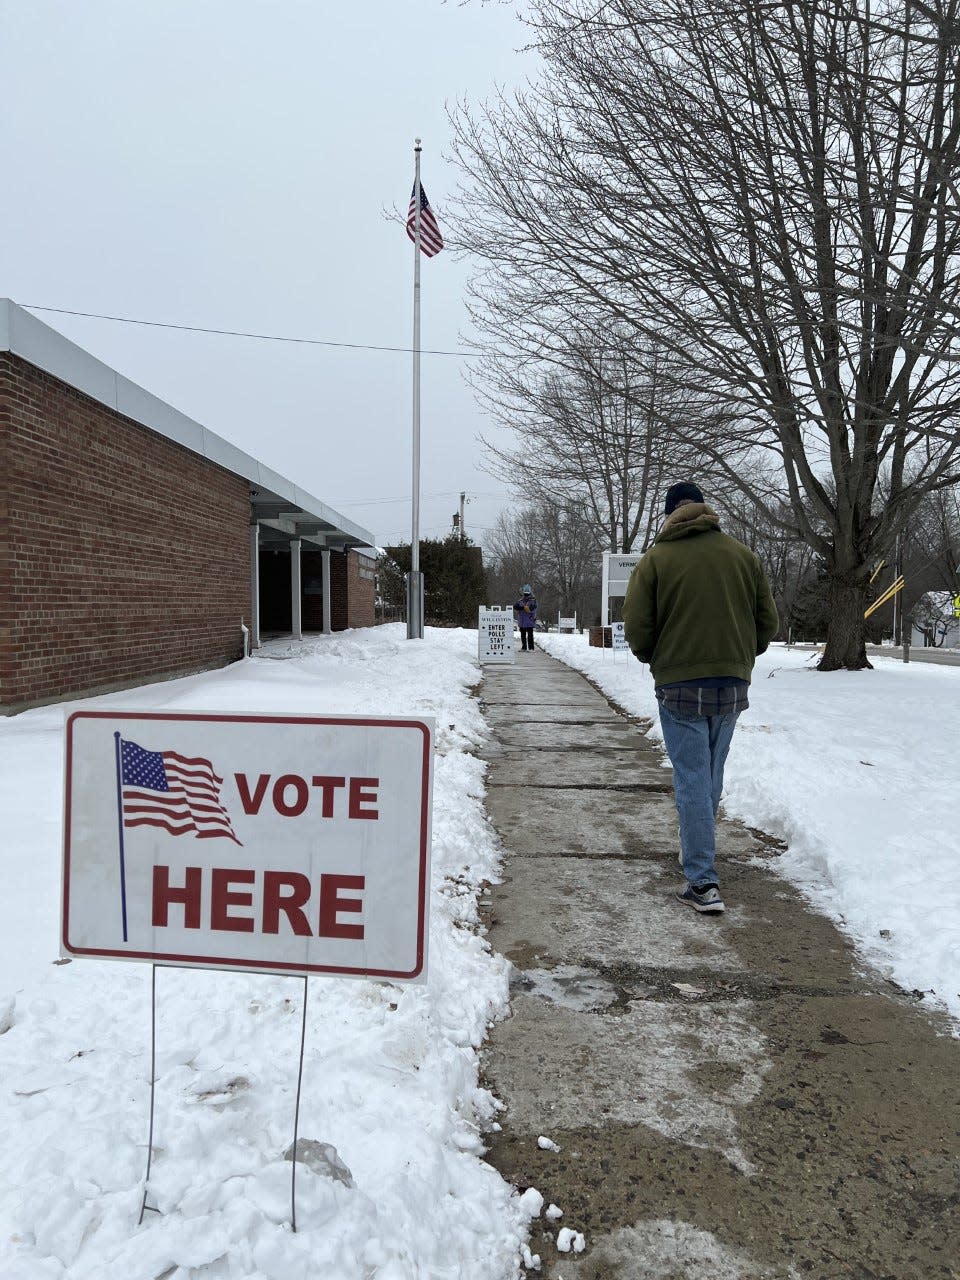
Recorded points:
(531, 1261)
(857, 771)
(531, 1202)
(568, 1239)
(391, 1101)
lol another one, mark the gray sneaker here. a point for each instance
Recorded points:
(705, 899)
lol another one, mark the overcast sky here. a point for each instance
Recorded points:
(227, 164)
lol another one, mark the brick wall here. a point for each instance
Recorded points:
(6, 550)
(361, 590)
(352, 591)
(123, 556)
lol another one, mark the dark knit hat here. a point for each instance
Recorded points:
(682, 492)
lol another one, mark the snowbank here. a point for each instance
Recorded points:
(390, 1078)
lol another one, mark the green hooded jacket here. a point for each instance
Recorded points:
(698, 604)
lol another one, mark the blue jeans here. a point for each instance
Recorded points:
(697, 747)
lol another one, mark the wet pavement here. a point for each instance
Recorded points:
(734, 1098)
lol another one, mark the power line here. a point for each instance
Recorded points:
(239, 333)
(426, 497)
(433, 529)
(379, 502)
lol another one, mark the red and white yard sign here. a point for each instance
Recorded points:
(289, 844)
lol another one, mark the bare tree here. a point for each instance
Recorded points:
(932, 615)
(932, 544)
(554, 547)
(573, 560)
(930, 561)
(588, 426)
(768, 192)
(788, 560)
(515, 553)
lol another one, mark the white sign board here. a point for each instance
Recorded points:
(273, 843)
(617, 568)
(618, 638)
(495, 634)
(567, 624)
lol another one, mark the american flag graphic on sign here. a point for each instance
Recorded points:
(431, 241)
(177, 793)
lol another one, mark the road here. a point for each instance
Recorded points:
(941, 657)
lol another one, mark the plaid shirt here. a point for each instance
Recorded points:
(696, 700)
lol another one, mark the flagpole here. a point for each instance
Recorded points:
(123, 870)
(414, 597)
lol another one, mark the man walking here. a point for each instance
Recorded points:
(699, 610)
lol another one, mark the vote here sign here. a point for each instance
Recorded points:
(288, 844)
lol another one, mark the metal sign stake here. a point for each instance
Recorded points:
(153, 1090)
(144, 1207)
(296, 1114)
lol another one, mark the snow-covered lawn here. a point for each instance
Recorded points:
(859, 772)
(390, 1078)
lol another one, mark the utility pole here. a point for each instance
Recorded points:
(463, 498)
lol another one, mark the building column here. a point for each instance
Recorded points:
(254, 586)
(296, 591)
(325, 555)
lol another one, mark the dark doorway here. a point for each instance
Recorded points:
(276, 614)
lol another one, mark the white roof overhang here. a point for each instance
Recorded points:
(276, 503)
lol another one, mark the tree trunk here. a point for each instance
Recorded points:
(845, 649)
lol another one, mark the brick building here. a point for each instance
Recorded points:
(136, 545)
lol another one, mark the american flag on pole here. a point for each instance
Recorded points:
(164, 789)
(431, 241)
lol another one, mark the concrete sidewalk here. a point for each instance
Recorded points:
(733, 1097)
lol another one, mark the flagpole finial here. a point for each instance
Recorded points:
(418, 147)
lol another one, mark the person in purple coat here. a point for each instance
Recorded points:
(525, 615)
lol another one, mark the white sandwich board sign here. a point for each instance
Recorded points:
(271, 843)
(495, 633)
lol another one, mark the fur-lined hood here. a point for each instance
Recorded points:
(688, 519)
